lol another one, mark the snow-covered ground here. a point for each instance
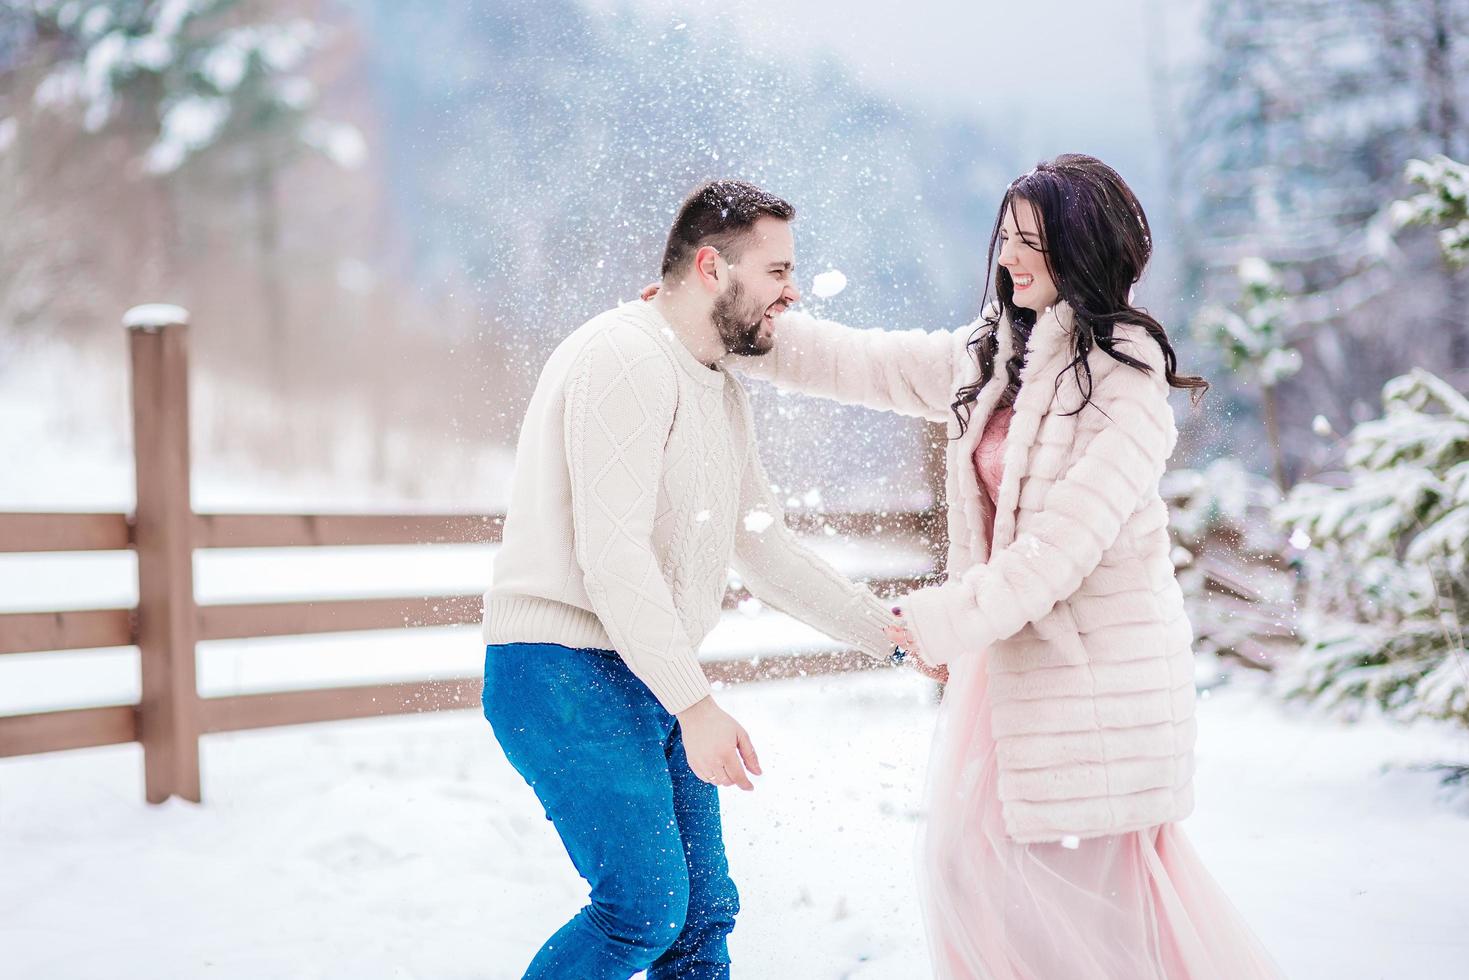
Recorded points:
(407, 847)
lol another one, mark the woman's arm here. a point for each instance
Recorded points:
(1082, 517)
(909, 371)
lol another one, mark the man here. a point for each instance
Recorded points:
(637, 486)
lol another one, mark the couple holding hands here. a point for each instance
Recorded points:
(1063, 756)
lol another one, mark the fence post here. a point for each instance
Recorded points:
(935, 465)
(168, 721)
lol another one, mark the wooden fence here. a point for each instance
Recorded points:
(168, 622)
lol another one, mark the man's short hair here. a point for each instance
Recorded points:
(719, 213)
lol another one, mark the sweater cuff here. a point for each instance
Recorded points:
(869, 632)
(678, 683)
(931, 616)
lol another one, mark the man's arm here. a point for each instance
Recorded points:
(783, 572)
(620, 403)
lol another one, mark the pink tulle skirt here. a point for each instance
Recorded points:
(1136, 906)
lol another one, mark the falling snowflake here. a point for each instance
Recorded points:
(757, 521)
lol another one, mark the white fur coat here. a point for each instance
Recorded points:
(1076, 609)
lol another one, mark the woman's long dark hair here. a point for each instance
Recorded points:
(1096, 241)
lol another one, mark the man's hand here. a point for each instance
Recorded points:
(719, 749)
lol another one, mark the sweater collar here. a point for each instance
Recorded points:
(658, 326)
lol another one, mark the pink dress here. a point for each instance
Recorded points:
(1135, 906)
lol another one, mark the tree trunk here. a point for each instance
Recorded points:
(936, 528)
(272, 292)
(1443, 104)
(1272, 435)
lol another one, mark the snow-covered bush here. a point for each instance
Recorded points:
(1386, 561)
(1227, 556)
(1224, 499)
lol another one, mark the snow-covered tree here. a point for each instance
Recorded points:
(1444, 201)
(212, 91)
(1300, 118)
(1386, 561)
(187, 74)
(1255, 343)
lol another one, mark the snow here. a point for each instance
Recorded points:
(757, 521)
(285, 47)
(407, 847)
(341, 143)
(152, 316)
(828, 284)
(1255, 271)
(225, 65)
(1279, 364)
(96, 20)
(189, 125)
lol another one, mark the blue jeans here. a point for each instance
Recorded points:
(607, 763)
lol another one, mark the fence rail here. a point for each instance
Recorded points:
(168, 621)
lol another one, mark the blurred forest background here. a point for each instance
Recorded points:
(382, 216)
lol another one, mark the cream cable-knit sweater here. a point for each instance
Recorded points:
(637, 485)
(1076, 610)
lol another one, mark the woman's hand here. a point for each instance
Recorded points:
(901, 637)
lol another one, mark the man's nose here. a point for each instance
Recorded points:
(791, 294)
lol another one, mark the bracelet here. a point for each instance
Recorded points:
(899, 654)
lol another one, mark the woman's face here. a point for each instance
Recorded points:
(1022, 256)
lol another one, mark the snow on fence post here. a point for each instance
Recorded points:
(168, 715)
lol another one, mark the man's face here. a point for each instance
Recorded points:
(761, 284)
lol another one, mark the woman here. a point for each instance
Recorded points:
(1064, 752)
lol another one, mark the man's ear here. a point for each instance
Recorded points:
(706, 267)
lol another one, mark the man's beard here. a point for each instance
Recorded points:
(739, 323)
